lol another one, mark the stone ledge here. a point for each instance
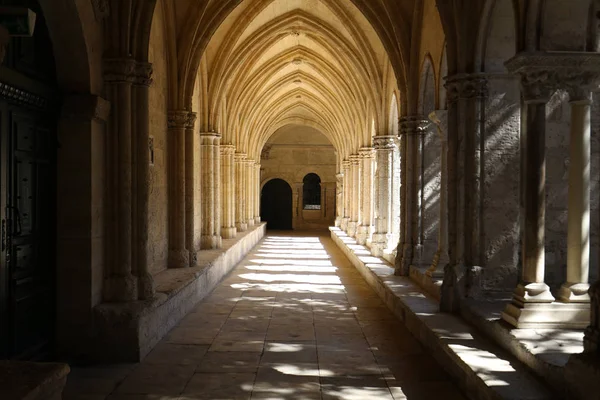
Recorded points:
(127, 332)
(431, 285)
(21, 380)
(482, 369)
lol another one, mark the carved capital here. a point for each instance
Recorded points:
(190, 122)
(209, 138)
(119, 70)
(227, 149)
(178, 119)
(346, 164)
(143, 74)
(385, 142)
(366, 152)
(101, 9)
(414, 125)
(466, 86)
(354, 159)
(240, 157)
(86, 107)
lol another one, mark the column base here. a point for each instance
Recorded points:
(574, 293)
(229, 233)
(209, 242)
(146, 288)
(250, 223)
(120, 289)
(547, 315)
(363, 234)
(241, 226)
(352, 229)
(344, 224)
(179, 258)
(338, 222)
(379, 243)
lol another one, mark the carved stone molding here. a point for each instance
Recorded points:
(181, 119)
(366, 152)
(354, 159)
(119, 70)
(143, 74)
(542, 73)
(466, 86)
(414, 125)
(16, 95)
(385, 142)
(101, 9)
(86, 107)
(227, 149)
(239, 157)
(346, 164)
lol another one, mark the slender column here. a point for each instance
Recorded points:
(346, 165)
(339, 199)
(354, 195)
(4, 42)
(228, 229)
(575, 289)
(208, 239)
(120, 284)
(143, 80)
(441, 256)
(257, 194)
(413, 128)
(241, 222)
(365, 230)
(385, 147)
(249, 173)
(532, 289)
(217, 191)
(191, 221)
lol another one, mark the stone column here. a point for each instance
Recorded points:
(365, 230)
(120, 285)
(339, 199)
(257, 220)
(385, 147)
(241, 221)
(249, 174)
(228, 229)
(178, 121)
(575, 289)
(532, 290)
(4, 42)
(413, 128)
(354, 195)
(441, 259)
(217, 191)
(346, 168)
(192, 223)
(208, 240)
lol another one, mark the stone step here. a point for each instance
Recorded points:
(482, 369)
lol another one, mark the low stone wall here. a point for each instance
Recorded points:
(21, 380)
(127, 332)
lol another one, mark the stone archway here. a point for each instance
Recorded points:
(276, 205)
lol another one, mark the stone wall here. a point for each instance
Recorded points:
(158, 216)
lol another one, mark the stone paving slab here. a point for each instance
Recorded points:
(257, 336)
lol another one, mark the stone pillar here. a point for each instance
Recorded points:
(365, 230)
(209, 239)
(192, 223)
(413, 129)
(4, 42)
(385, 147)
(120, 285)
(346, 168)
(441, 259)
(228, 229)
(178, 121)
(257, 220)
(249, 174)
(524, 310)
(241, 221)
(217, 191)
(575, 289)
(339, 199)
(355, 190)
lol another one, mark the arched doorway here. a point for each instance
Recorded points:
(28, 132)
(276, 205)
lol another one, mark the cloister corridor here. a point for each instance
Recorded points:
(295, 321)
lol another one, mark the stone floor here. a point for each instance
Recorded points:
(293, 321)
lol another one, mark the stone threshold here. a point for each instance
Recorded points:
(20, 380)
(127, 332)
(482, 369)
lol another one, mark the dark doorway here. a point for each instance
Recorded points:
(276, 205)
(29, 106)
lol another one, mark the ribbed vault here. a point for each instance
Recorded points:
(271, 63)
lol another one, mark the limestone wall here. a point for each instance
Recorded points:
(158, 216)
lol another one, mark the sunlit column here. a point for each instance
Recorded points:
(532, 290)
(228, 229)
(578, 238)
(249, 173)
(208, 239)
(339, 199)
(241, 222)
(365, 229)
(257, 193)
(346, 168)
(441, 259)
(385, 146)
(354, 195)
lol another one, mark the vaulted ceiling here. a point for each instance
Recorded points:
(328, 64)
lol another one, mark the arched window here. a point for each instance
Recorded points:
(311, 192)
